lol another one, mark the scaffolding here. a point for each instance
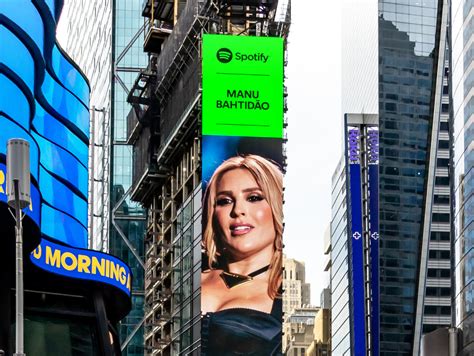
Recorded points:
(164, 127)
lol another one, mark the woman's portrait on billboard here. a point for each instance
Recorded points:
(242, 239)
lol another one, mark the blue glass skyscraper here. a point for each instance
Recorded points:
(395, 65)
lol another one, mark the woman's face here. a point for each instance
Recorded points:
(243, 216)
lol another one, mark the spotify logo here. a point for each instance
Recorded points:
(224, 55)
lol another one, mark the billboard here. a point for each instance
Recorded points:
(242, 86)
(356, 238)
(82, 264)
(373, 190)
(242, 160)
(362, 157)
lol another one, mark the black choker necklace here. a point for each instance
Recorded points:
(232, 280)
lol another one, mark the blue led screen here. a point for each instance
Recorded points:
(10, 128)
(20, 62)
(24, 16)
(53, 130)
(45, 100)
(15, 104)
(69, 76)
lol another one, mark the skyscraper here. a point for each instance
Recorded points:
(395, 66)
(164, 129)
(296, 296)
(103, 37)
(298, 330)
(321, 334)
(85, 31)
(297, 291)
(463, 187)
(413, 210)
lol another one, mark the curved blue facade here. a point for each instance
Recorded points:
(44, 99)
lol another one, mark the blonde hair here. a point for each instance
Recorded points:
(270, 179)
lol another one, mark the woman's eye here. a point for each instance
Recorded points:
(223, 201)
(255, 198)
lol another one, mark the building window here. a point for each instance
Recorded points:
(440, 218)
(445, 273)
(443, 144)
(444, 126)
(439, 236)
(441, 199)
(442, 162)
(439, 273)
(442, 181)
(437, 254)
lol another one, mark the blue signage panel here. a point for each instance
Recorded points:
(357, 248)
(373, 171)
(82, 264)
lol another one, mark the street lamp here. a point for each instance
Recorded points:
(18, 197)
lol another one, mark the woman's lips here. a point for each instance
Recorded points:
(240, 229)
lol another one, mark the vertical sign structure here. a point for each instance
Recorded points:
(242, 132)
(242, 86)
(356, 235)
(373, 187)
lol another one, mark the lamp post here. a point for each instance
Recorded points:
(18, 197)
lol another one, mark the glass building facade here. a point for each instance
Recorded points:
(463, 188)
(402, 74)
(340, 311)
(127, 229)
(86, 34)
(104, 37)
(410, 38)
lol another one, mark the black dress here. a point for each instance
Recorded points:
(241, 331)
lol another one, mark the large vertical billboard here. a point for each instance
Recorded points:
(242, 135)
(356, 239)
(373, 195)
(362, 157)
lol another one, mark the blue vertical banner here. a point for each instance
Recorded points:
(356, 236)
(373, 187)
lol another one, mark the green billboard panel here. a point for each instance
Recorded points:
(242, 86)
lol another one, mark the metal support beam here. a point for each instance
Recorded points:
(130, 44)
(128, 243)
(132, 334)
